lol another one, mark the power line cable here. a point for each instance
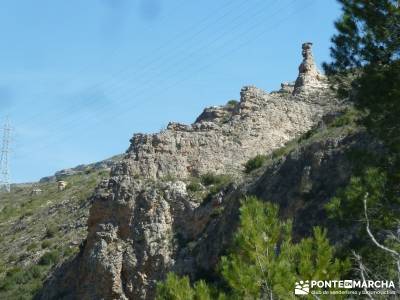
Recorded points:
(255, 25)
(243, 44)
(171, 63)
(142, 59)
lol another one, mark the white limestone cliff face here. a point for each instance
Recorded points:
(223, 138)
(136, 216)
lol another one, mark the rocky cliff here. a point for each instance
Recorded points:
(146, 221)
(224, 137)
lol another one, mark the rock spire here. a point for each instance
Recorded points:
(309, 77)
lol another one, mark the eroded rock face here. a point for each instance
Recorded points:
(310, 79)
(224, 138)
(130, 241)
(142, 220)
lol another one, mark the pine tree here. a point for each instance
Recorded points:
(366, 68)
(347, 210)
(366, 52)
(264, 262)
(175, 288)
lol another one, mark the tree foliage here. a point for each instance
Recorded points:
(263, 261)
(366, 52)
(176, 288)
(266, 262)
(255, 163)
(347, 206)
(346, 210)
(366, 69)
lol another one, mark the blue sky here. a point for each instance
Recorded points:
(78, 78)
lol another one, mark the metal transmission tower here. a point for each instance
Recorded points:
(5, 151)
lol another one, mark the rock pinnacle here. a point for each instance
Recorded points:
(309, 77)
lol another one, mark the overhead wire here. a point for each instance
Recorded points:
(104, 84)
(254, 25)
(98, 109)
(222, 56)
(170, 62)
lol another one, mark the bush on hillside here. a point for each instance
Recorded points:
(255, 163)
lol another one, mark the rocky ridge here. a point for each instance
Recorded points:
(144, 222)
(224, 137)
(101, 165)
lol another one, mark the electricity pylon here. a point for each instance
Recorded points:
(5, 151)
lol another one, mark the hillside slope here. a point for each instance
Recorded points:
(41, 226)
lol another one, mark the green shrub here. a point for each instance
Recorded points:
(255, 163)
(10, 280)
(169, 177)
(208, 179)
(51, 231)
(175, 288)
(215, 183)
(22, 283)
(194, 186)
(46, 244)
(35, 271)
(179, 288)
(31, 246)
(279, 152)
(49, 258)
(18, 276)
(232, 102)
(13, 271)
(213, 179)
(69, 251)
(7, 212)
(349, 117)
(12, 257)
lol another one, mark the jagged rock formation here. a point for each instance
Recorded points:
(144, 223)
(223, 138)
(309, 79)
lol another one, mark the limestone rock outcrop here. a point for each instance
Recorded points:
(223, 138)
(143, 222)
(309, 79)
